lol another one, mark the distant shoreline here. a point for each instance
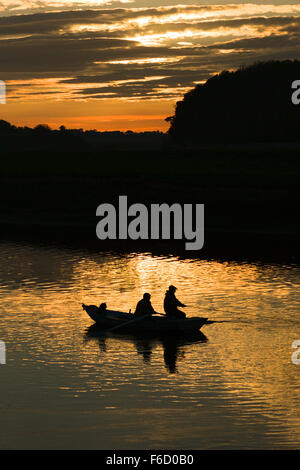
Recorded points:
(218, 244)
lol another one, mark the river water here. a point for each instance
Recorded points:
(67, 386)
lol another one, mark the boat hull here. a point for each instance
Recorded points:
(114, 319)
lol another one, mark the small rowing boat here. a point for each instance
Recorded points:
(111, 319)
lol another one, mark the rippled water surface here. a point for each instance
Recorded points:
(65, 385)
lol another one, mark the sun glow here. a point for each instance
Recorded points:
(96, 51)
(154, 60)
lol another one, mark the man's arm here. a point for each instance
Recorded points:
(152, 311)
(179, 304)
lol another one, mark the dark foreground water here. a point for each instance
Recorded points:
(66, 386)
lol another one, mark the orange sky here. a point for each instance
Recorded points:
(122, 65)
(108, 115)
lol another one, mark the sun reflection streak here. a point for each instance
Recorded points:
(246, 358)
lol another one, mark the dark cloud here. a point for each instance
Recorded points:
(219, 24)
(54, 46)
(49, 22)
(55, 55)
(276, 42)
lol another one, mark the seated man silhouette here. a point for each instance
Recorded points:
(144, 306)
(171, 304)
(102, 308)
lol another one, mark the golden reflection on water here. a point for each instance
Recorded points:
(238, 376)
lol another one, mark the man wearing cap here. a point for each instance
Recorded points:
(171, 304)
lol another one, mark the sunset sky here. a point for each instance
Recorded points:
(119, 65)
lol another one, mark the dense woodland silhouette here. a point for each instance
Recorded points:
(51, 181)
(251, 104)
(43, 137)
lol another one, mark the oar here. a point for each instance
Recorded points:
(128, 322)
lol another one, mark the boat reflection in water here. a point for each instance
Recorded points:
(172, 345)
(239, 390)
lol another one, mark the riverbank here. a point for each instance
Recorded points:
(222, 245)
(250, 197)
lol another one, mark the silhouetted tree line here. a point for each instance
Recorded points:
(251, 104)
(43, 137)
